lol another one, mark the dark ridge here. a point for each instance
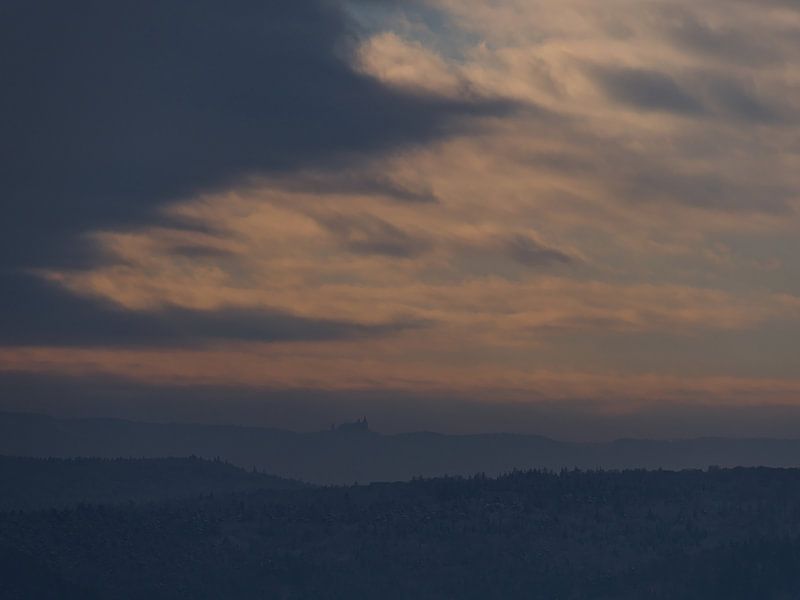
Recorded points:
(720, 534)
(35, 483)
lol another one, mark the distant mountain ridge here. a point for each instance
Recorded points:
(355, 453)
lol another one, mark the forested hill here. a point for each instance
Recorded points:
(705, 535)
(356, 454)
(29, 483)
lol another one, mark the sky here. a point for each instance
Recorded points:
(556, 216)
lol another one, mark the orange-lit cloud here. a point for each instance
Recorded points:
(373, 366)
(645, 185)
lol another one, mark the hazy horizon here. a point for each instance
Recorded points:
(387, 412)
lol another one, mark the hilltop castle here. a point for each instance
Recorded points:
(359, 426)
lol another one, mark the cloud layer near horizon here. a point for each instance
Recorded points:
(527, 199)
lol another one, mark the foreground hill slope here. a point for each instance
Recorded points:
(721, 534)
(29, 483)
(356, 454)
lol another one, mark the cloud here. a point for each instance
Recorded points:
(531, 253)
(647, 90)
(706, 190)
(356, 370)
(355, 182)
(409, 65)
(372, 235)
(202, 251)
(110, 111)
(723, 42)
(34, 312)
(739, 101)
(372, 194)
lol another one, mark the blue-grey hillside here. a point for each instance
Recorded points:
(354, 453)
(36, 483)
(693, 535)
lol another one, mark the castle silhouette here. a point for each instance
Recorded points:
(359, 426)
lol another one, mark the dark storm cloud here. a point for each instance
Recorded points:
(529, 252)
(111, 109)
(646, 90)
(34, 312)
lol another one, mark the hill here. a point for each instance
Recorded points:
(718, 534)
(357, 454)
(30, 483)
